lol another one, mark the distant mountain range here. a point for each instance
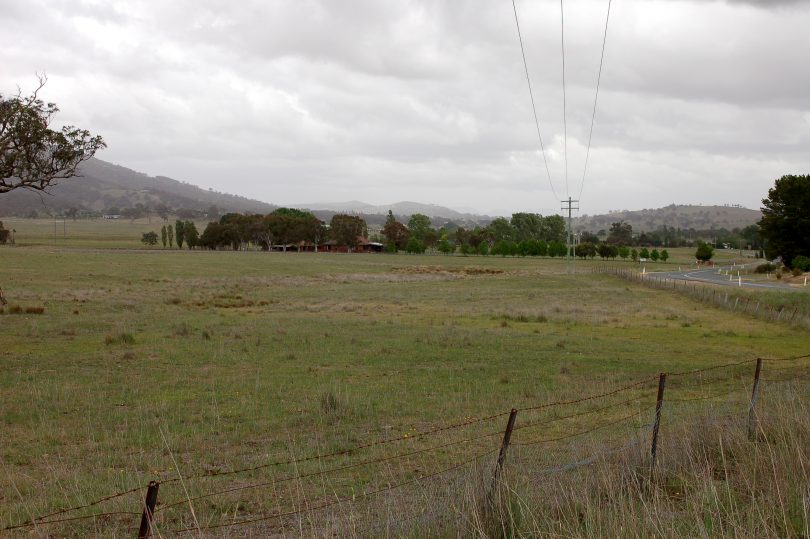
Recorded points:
(398, 208)
(104, 186)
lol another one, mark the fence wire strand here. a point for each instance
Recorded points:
(330, 470)
(584, 432)
(591, 397)
(41, 520)
(38, 520)
(342, 451)
(340, 500)
(578, 414)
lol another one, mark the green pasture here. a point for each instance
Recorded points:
(150, 364)
(89, 233)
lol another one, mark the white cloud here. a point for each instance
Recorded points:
(381, 100)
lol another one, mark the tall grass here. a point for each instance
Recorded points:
(711, 481)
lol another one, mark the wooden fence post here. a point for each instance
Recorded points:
(752, 412)
(148, 510)
(507, 436)
(659, 402)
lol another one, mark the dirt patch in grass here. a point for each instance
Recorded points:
(465, 270)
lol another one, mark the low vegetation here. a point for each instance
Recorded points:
(149, 365)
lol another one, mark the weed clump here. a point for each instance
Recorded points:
(121, 338)
(34, 310)
(330, 405)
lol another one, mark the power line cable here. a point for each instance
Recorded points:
(534, 108)
(595, 98)
(565, 120)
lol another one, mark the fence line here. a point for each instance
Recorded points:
(584, 432)
(592, 397)
(578, 414)
(335, 469)
(37, 520)
(342, 452)
(702, 398)
(342, 500)
(710, 294)
(42, 520)
(589, 459)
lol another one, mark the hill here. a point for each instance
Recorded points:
(104, 186)
(673, 216)
(405, 208)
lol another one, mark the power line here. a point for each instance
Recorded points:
(565, 120)
(534, 108)
(595, 98)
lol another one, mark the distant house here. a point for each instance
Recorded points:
(332, 246)
(111, 216)
(365, 246)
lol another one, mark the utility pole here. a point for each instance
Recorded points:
(569, 205)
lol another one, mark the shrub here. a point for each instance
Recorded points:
(704, 252)
(414, 246)
(796, 272)
(765, 268)
(15, 309)
(802, 262)
(34, 310)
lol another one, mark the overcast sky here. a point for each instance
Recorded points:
(426, 100)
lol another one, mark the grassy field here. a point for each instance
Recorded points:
(88, 233)
(153, 364)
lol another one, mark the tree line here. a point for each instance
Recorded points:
(284, 227)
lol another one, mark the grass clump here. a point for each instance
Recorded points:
(121, 338)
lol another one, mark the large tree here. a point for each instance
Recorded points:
(527, 226)
(345, 229)
(500, 229)
(785, 223)
(32, 155)
(620, 234)
(395, 232)
(419, 226)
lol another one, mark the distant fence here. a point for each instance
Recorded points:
(651, 390)
(720, 295)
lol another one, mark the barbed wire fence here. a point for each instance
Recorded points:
(711, 294)
(558, 421)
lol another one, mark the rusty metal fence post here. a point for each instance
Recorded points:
(659, 402)
(149, 504)
(752, 412)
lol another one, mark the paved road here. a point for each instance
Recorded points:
(710, 275)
